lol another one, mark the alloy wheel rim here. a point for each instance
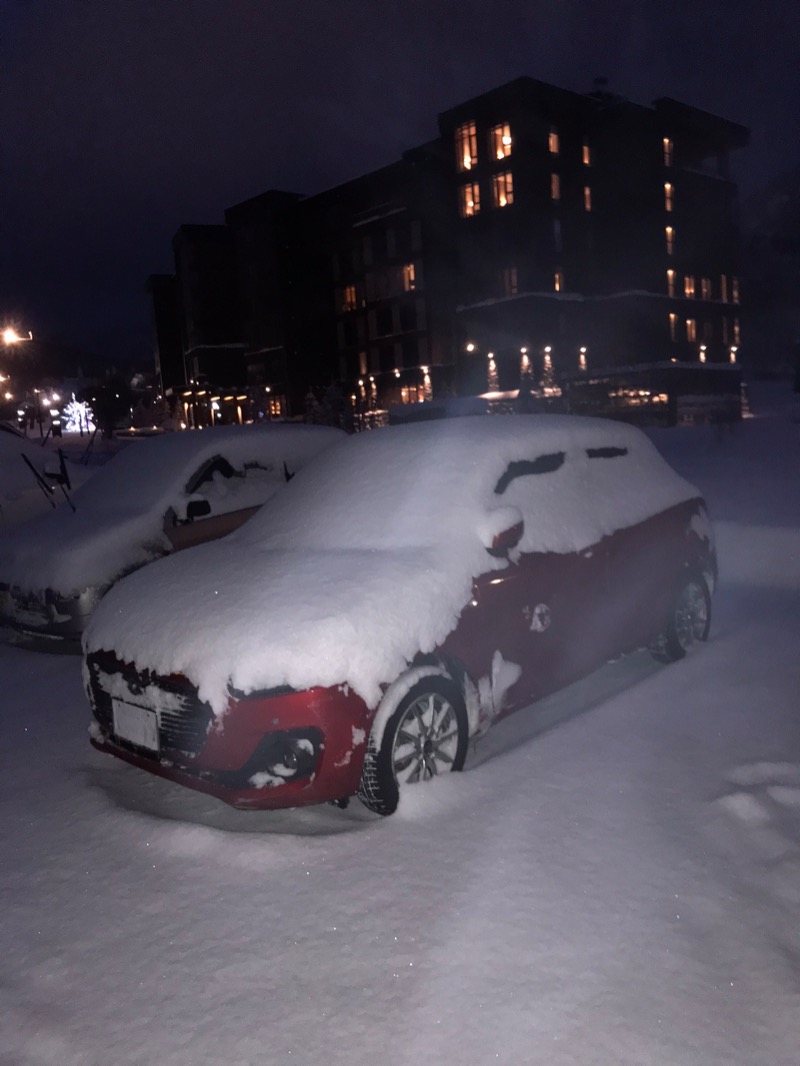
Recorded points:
(426, 741)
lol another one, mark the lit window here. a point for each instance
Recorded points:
(735, 290)
(737, 333)
(667, 142)
(669, 195)
(348, 301)
(502, 189)
(670, 283)
(673, 326)
(587, 198)
(705, 288)
(469, 199)
(691, 329)
(723, 288)
(409, 277)
(500, 141)
(466, 146)
(587, 155)
(552, 141)
(669, 233)
(558, 281)
(555, 187)
(510, 283)
(688, 285)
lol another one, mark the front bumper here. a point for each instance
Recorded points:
(268, 751)
(44, 620)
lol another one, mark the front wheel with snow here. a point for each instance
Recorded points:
(426, 735)
(689, 620)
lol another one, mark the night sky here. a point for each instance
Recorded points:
(123, 119)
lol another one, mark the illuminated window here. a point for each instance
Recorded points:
(723, 288)
(735, 290)
(466, 146)
(673, 326)
(688, 285)
(555, 187)
(587, 155)
(500, 141)
(469, 199)
(348, 301)
(552, 141)
(669, 195)
(409, 278)
(502, 189)
(667, 142)
(558, 281)
(510, 283)
(670, 283)
(691, 329)
(669, 233)
(587, 198)
(705, 288)
(737, 333)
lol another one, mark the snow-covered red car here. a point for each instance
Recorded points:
(156, 496)
(404, 592)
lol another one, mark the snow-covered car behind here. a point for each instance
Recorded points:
(402, 593)
(156, 496)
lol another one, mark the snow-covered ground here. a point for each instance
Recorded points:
(614, 880)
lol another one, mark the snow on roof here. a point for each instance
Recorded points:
(368, 556)
(117, 524)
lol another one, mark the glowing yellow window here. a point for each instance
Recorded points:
(502, 189)
(587, 155)
(469, 202)
(691, 329)
(737, 333)
(669, 233)
(670, 283)
(466, 146)
(669, 196)
(673, 326)
(688, 285)
(409, 278)
(555, 187)
(553, 143)
(348, 298)
(558, 281)
(668, 156)
(587, 198)
(500, 141)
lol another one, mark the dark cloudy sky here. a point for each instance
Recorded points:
(122, 119)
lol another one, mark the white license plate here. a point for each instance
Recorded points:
(137, 725)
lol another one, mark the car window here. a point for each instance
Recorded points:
(216, 465)
(606, 452)
(543, 464)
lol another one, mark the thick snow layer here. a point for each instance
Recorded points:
(368, 556)
(119, 512)
(613, 881)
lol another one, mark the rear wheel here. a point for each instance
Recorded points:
(688, 623)
(426, 735)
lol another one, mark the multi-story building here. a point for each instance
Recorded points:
(542, 232)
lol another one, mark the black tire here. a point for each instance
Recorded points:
(689, 620)
(426, 735)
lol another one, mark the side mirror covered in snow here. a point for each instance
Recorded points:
(501, 530)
